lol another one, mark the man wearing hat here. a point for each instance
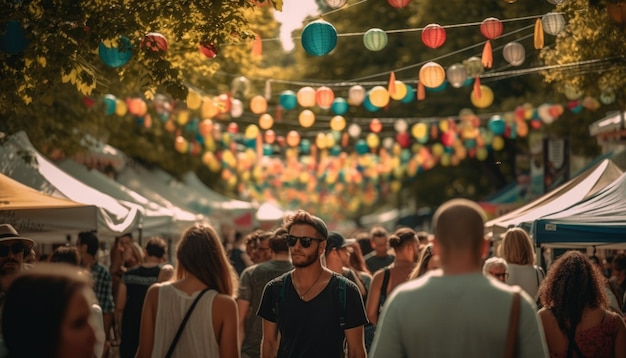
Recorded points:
(337, 255)
(315, 310)
(13, 247)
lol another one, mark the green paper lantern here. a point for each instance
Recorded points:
(319, 38)
(375, 39)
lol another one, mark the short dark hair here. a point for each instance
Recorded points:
(156, 247)
(278, 242)
(378, 231)
(67, 254)
(303, 217)
(90, 239)
(619, 261)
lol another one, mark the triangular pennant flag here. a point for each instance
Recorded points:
(421, 91)
(391, 88)
(487, 58)
(538, 35)
(257, 46)
(477, 91)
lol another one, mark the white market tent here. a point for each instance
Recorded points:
(42, 217)
(582, 186)
(22, 162)
(599, 220)
(157, 220)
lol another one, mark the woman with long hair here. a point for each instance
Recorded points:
(517, 251)
(575, 315)
(406, 246)
(427, 261)
(47, 313)
(204, 276)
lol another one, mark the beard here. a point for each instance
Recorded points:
(6, 269)
(305, 260)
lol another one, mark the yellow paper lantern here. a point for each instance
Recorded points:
(194, 100)
(486, 97)
(120, 108)
(419, 130)
(180, 144)
(497, 143)
(481, 153)
(266, 121)
(182, 118)
(330, 140)
(252, 131)
(379, 96)
(400, 91)
(372, 140)
(320, 140)
(258, 104)
(432, 75)
(209, 107)
(338, 123)
(306, 118)
(293, 138)
(437, 149)
(306, 97)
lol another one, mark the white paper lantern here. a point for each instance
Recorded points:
(456, 75)
(354, 130)
(356, 95)
(514, 53)
(553, 23)
(236, 108)
(306, 97)
(401, 126)
(336, 4)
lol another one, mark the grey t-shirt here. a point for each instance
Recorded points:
(253, 281)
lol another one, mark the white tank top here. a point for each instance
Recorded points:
(198, 337)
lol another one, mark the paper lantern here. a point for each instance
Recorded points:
(497, 143)
(486, 97)
(109, 101)
(319, 38)
(339, 106)
(181, 145)
(224, 103)
(367, 104)
(240, 86)
(154, 41)
(378, 96)
(306, 97)
(116, 55)
(356, 95)
(375, 39)
(338, 123)
(120, 108)
(399, 4)
(258, 104)
(252, 131)
(400, 92)
(288, 100)
(336, 4)
(410, 95)
(233, 128)
(491, 28)
(419, 130)
(209, 50)
(324, 97)
(433, 35)
(293, 139)
(137, 107)
(376, 126)
(514, 53)
(306, 118)
(432, 75)
(401, 125)
(205, 128)
(236, 108)
(497, 125)
(372, 140)
(473, 66)
(14, 39)
(266, 121)
(194, 100)
(361, 147)
(553, 23)
(269, 136)
(354, 130)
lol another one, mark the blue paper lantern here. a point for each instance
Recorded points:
(497, 125)
(339, 106)
(409, 96)
(319, 38)
(305, 146)
(110, 102)
(439, 88)
(288, 100)
(13, 41)
(361, 146)
(116, 56)
(367, 104)
(267, 149)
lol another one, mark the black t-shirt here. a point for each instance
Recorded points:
(312, 329)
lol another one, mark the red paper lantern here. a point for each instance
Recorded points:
(376, 126)
(491, 28)
(324, 97)
(155, 41)
(398, 4)
(403, 139)
(433, 35)
(233, 128)
(209, 50)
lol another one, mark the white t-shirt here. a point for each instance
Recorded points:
(455, 316)
(198, 337)
(528, 277)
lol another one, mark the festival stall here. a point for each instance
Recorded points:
(42, 217)
(23, 163)
(157, 219)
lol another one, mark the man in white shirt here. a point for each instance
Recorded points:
(456, 311)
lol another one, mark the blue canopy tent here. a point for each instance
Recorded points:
(598, 220)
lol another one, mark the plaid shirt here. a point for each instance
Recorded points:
(103, 287)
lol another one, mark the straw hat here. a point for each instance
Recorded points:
(7, 232)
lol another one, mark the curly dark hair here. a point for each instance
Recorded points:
(572, 284)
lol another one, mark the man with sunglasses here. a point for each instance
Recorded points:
(12, 250)
(317, 312)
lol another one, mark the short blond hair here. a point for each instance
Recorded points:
(493, 262)
(517, 247)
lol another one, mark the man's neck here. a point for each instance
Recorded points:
(88, 261)
(309, 273)
(335, 266)
(281, 256)
(151, 260)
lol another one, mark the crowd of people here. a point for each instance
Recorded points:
(300, 290)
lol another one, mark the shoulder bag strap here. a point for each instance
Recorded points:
(383, 288)
(183, 323)
(510, 349)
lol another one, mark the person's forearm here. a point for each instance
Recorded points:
(268, 349)
(107, 319)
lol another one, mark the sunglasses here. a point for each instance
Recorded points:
(304, 240)
(15, 248)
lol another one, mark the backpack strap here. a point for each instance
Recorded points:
(383, 289)
(279, 289)
(341, 297)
